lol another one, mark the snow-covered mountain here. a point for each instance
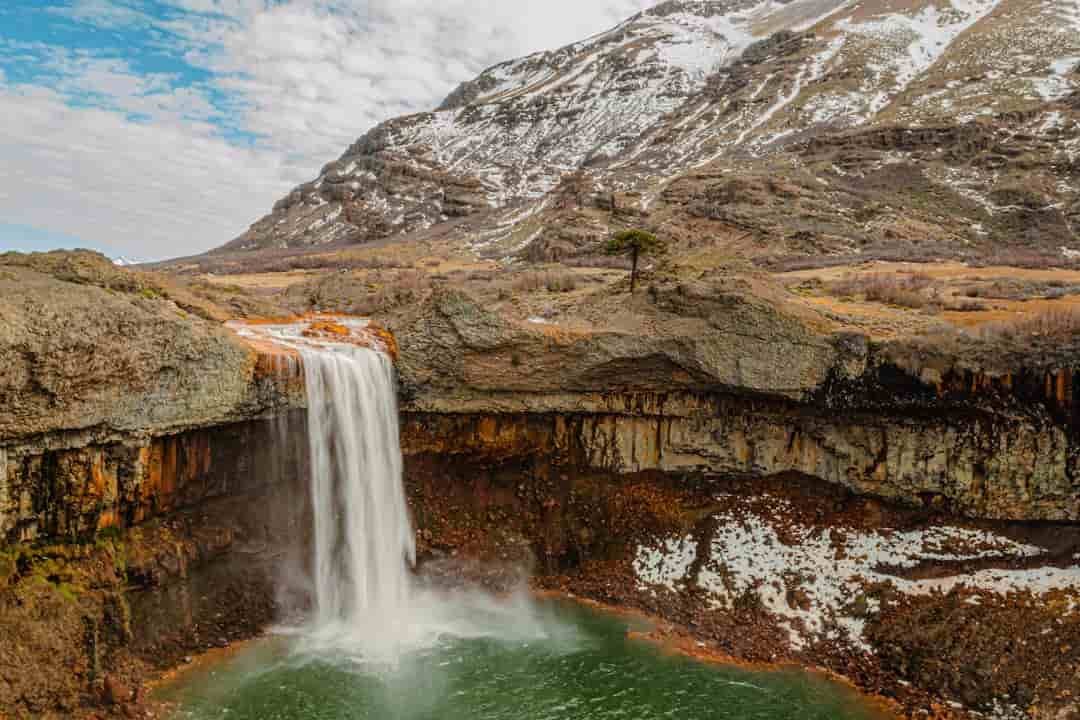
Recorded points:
(694, 111)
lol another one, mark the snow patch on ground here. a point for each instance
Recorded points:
(919, 41)
(809, 577)
(811, 71)
(667, 565)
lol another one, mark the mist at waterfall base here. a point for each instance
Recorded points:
(367, 607)
(587, 669)
(378, 644)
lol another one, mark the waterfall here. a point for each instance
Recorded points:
(363, 538)
(365, 606)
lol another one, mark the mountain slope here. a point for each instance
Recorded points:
(810, 103)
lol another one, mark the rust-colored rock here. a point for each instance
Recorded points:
(115, 692)
(327, 328)
(386, 338)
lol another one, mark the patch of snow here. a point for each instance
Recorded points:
(825, 108)
(921, 39)
(1057, 84)
(830, 568)
(326, 219)
(810, 72)
(668, 565)
(529, 240)
(1053, 121)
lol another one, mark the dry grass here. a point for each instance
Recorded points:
(926, 253)
(891, 251)
(286, 260)
(916, 290)
(610, 262)
(1054, 323)
(1022, 289)
(550, 281)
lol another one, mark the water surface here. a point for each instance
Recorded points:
(571, 663)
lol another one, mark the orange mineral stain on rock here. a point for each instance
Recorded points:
(323, 328)
(387, 339)
(275, 361)
(105, 489)
(277, 358)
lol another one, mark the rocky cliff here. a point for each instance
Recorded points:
(723, 376)
(97, 370)
(727, 383)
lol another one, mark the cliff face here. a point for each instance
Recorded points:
(97, 374)
(707, 397)
(719, 377)
(986, 467)
(84, 348)
(137, 556)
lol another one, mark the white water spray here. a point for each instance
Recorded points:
(365, 605)
(362, 533)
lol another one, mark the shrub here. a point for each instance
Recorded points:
(966, 306)
(911, 291)
(560, 282)
(1054, 323)
(1021, 289)
(550, 281)
(612, 262)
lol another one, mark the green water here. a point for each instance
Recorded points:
(580, 667)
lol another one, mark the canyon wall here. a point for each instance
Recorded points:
(982, 467)
(726, 383)
(97, 375)
(139, 555)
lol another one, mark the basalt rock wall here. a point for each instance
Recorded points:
(724, 381)
(1019, 468)
(134, 556)
(70, 486)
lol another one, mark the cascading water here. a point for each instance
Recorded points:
(362, 533)
(365, 604)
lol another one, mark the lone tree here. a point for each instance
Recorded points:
(635, 243)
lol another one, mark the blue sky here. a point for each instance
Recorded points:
(157, 128)
(30, 239)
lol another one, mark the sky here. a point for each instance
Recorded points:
(157, 128)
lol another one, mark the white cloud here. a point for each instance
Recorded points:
(103, 13)
(307, 77)
(148, 190)
(317, 74)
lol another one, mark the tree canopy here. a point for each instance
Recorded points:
(642, 242)
(635, 242)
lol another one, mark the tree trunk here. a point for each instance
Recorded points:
(633, 270)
